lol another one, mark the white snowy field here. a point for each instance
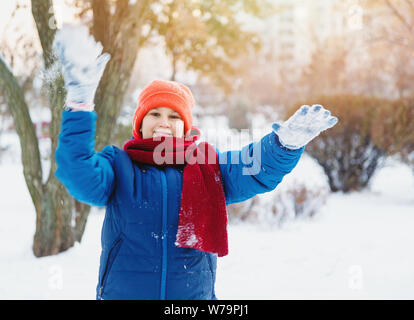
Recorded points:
(360, 246)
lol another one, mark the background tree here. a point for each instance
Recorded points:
(394, 129)
(396, 25)
(390, 29)
(207, 36)
(55, 209)
(17, 47)
(123, 27)
(326, 72)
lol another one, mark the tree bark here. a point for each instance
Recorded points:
(174, 66)
(54, 229)
(123, 46)
(101, 21)
(30, 155)
(53, 210)
(60, 219)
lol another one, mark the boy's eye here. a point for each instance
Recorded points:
(157, 114)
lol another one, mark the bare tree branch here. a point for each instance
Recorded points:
(399, 15)
(44, 17)
(14, 96)
(411, 5)
(123, 46)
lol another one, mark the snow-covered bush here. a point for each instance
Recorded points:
(394, 130)
(238, 116)
(280, 206)
(298, 201)
(243, 211)
(409, 159)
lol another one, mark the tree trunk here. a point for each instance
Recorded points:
(58, 222)
(60, 219)
(53, 224)
(30, 155)
(54, 207)
(174, 66)
(123, 45)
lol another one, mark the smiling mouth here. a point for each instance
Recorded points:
(162, 134)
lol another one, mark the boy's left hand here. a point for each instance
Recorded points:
(304, 125)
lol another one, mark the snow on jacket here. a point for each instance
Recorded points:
(139, 259)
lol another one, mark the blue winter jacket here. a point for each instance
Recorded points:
(139, 259)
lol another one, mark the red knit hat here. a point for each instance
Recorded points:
(161, 93)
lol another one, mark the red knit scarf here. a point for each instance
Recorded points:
(202, 221)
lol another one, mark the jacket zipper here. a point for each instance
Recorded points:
(164, 235)
(106, 267)
(210, 264)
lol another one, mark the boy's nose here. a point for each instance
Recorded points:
(164, 123)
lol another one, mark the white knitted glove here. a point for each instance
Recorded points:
(303, 126)
(82, 65)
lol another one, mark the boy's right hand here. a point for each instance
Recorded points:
(82, 65)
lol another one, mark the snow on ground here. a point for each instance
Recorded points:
(358, 247)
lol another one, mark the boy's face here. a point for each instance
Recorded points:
(162, 121)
